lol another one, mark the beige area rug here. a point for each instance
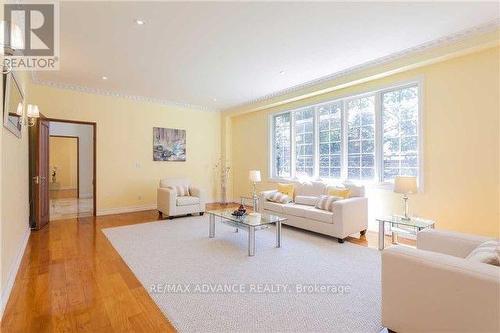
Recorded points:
(311, 284)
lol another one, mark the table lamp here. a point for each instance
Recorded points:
(254, 176)
(405, 185)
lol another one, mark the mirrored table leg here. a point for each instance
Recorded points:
(381, 232)
(211, 229)
(278, 234)
(251, 241)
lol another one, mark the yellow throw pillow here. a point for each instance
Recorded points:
(286, 189)
(339, 192)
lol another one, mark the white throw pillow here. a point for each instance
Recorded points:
(278, 197)
(181, 190)
(306, 200)
(487, 253)
(325, 202)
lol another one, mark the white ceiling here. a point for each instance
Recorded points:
(195, 52)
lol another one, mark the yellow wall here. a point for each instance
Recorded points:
(461, 144)
(15, 194)
(64, 155)
(127, 176)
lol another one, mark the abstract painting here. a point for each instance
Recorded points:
(169, 144)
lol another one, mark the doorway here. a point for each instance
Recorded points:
(67, 189)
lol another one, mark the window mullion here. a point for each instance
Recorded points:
(316, 143)
(292, 143)
(344, 115)
(379, 155)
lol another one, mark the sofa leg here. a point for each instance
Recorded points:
(362, 232)
(201, 213)
(341, 240)
(160, 215)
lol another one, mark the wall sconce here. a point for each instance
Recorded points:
(32, 113)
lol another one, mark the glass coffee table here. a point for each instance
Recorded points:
(250, 222)
(395, 221)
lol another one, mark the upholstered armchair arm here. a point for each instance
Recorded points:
(448, 242)
(351, 215)
(442, 293)
(166, 200)
(200, 193)
(263, 197)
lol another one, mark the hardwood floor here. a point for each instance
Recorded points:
(72, 280)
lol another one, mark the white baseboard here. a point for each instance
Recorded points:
(121, 210)
(128, 209)
(13, 272)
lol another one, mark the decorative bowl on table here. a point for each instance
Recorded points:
(241, 211)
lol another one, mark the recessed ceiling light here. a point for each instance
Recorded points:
(139, 22)
(282, 72)
(215, 99)
(104, 77)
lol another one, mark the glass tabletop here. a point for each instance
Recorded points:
(251, 219)
(412, 221)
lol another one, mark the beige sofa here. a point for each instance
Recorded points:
(170, 205)
(433, 288)
(349, 216)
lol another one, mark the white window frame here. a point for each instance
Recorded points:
(378, 178)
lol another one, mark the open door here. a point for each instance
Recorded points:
(39, 174)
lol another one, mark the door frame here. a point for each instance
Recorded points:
(77, 159)
(94, 138)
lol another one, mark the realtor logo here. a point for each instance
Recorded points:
(30, 36)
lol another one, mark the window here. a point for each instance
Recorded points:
(281, 145)
(361, 138)
(370, 137)
(304, 142)
(330, 140)
(400, 133)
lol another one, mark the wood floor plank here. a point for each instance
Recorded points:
(71, 279)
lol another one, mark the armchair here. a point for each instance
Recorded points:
(170, 204)
(433, 288)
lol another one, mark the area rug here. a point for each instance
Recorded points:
(310, 284)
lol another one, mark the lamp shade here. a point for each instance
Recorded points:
(254, 176)
(19, 110)
(405, 184)
(33, 111)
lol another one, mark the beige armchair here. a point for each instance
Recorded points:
(433, 288)
(170, 204)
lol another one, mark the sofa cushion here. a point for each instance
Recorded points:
(273, 206)
(180, 190)
(306, 200)
(310, 189)
(325, 202)
(308, 212)
(187, 201)
(286, 189)
(487, 253)
(356, 190)
(279, 197)
(335, 191)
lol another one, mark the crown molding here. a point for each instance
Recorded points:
(136, 98)
(434, 44)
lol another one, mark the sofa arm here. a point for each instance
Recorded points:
(351, 215)
(199, 193)
(263, 197)
(448, 242)
(425, 291)
(166, 200)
